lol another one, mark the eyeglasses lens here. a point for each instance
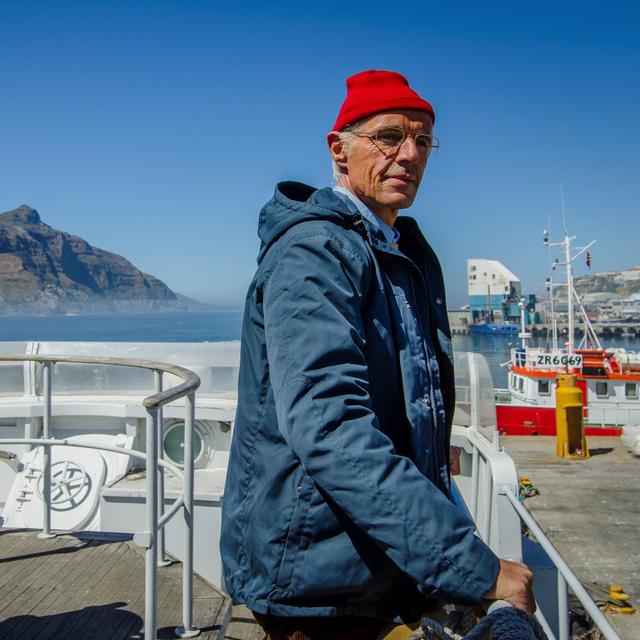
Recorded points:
(390, 139)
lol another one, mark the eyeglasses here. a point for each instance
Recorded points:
(388, 140)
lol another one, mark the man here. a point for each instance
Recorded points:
(337, 515)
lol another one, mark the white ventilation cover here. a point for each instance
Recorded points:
(77, 477)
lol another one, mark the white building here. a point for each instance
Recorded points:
(627, 306)
(492, 288)
(630, 274)
(627, 275)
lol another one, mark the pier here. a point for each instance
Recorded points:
(459, 321)
(604, 329)
(588, 510)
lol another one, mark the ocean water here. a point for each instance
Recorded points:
(215, 326)
(121, 327)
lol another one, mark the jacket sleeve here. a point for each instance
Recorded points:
(316, 349)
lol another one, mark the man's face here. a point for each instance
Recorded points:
(385, 182)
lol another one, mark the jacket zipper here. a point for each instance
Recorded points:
(358, 223)
(432, 395)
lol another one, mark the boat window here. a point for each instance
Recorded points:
(631, 390)
(544, 388)
(602, 389)
(520, 383)
(173, 442)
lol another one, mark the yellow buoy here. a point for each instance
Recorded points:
(570, 442)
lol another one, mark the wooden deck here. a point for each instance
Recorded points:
(91, 587)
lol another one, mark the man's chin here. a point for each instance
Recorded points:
(399, 200)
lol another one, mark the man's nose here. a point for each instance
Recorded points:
(408, 150)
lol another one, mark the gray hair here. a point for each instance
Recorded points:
(347, 135)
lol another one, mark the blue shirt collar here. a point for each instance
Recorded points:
(391, 235)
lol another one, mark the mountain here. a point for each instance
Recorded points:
(43, 270)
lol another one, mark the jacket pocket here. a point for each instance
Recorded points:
(293, 540)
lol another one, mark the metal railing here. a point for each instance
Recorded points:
(490, 494)
(566, 577)
(152, 539)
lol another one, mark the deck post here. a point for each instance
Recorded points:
(46, 455)
(474, 482)
(488, 502)
(163, 561)
(563, 609)
(187, 630)
(150, 556)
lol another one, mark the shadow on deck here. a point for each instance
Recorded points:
(92, 586)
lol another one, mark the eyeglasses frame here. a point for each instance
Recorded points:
(371, 135)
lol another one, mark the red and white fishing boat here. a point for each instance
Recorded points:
(609, 378)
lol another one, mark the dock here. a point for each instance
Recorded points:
(590, 510)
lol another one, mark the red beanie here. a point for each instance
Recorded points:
(372, 91)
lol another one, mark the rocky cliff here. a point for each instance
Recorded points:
(43, 270)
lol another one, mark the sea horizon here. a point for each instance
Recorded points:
(217, 326)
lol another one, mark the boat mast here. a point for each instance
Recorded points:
(523, 335)
(571, 292)
(567, 257)
(553, 321)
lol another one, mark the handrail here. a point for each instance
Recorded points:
(190, 384)
(495, 489)
(132, 453)
(152, 540)
(576, 586)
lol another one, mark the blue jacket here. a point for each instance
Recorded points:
(336, 500)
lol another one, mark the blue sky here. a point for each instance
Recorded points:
(158, 129)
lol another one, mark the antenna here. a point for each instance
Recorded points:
(551, 325)
(564, 217)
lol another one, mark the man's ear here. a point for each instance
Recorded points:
(337, 149)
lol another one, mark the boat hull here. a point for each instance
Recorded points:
(494, 329)
(514, 420)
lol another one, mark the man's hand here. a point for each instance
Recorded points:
(454, 460)
(515, 585)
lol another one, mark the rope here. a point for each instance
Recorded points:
(505, 623)
(612, 599)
